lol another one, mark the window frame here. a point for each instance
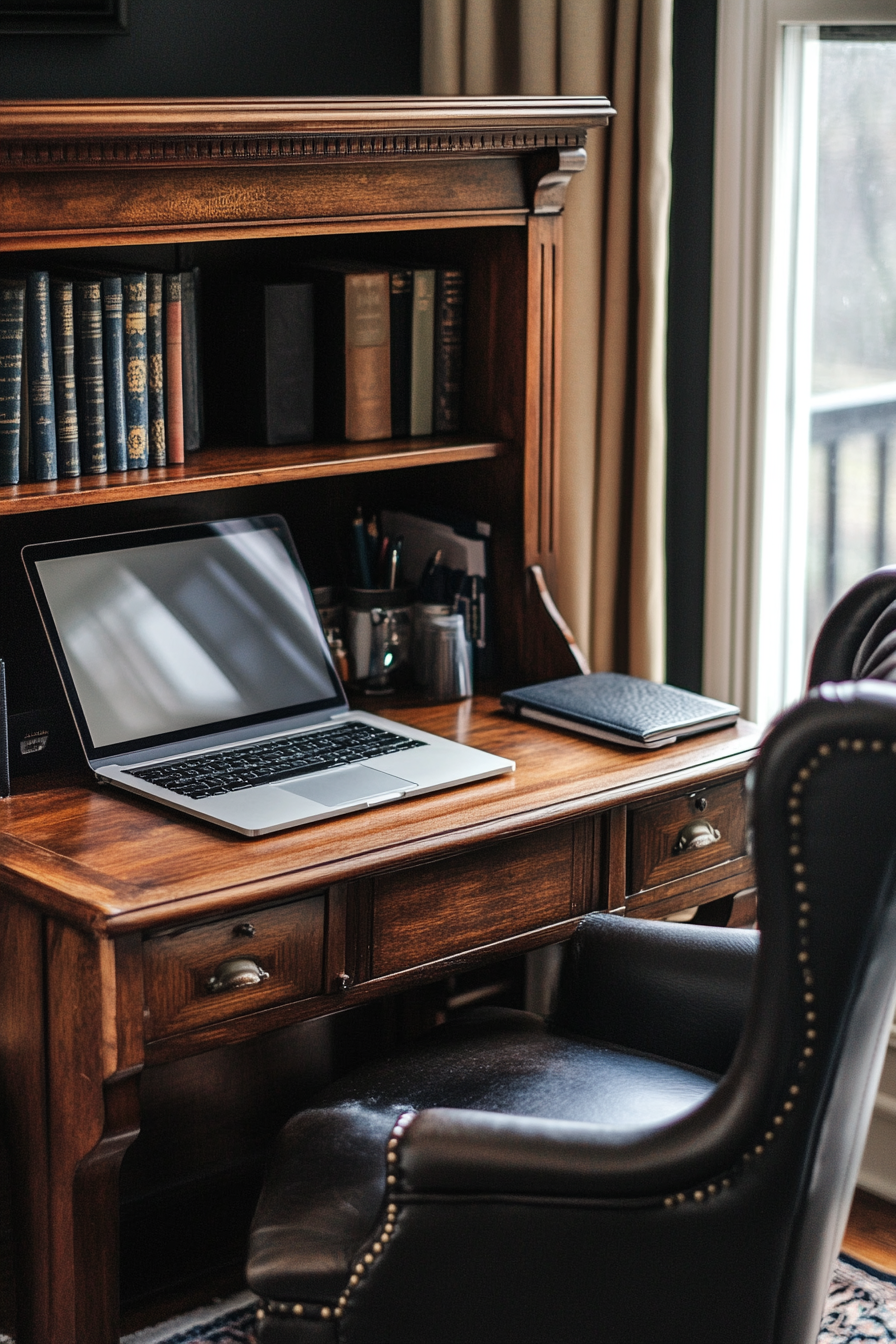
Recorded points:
(744, 541)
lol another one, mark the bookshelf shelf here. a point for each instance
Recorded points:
(232, 468)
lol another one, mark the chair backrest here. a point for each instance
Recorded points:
(767, 1164)
(825, 840)
(847, 626)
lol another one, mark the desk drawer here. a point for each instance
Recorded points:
(191, 980)
(686, 834)
(437, 910)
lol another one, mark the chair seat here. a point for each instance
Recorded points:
(326, 1186)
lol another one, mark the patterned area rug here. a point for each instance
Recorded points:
(861, 1309)
(861, 1305)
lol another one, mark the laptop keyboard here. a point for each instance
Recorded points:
(282, 758)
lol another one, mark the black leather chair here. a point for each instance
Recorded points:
(641, 1170)
(858, 637)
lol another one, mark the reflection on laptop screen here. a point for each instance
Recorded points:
(181, 634)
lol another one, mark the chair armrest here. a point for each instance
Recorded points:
(680, 991)
(446, 1151)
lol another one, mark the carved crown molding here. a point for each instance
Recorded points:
(126, 133)
(123, 152)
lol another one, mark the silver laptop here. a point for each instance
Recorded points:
(199, 676)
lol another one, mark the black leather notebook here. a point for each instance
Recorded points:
(619, 708)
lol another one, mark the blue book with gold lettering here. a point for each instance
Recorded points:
(62, 322)
(113, 371)
(135, 384)
(41, 395)
(90, 384)
(12, 333)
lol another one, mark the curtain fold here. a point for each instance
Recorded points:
(611, 549)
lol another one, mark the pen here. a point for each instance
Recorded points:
(394, 561)
(360, 542)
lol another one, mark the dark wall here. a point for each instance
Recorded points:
(687, 364)
(227, 48)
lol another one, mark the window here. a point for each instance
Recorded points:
(803, 413)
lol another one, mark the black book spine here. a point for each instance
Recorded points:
(448, 355)
(62, 321)
(89, 378)
(12, 335)
(288, 363)
(25, 418)
(40, 376)
(113, 369)
(155, 365)
(401, 302)
(191, 370)
(136, 403)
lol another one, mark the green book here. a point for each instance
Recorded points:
(423, 316)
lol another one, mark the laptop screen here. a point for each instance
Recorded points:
(184, 631)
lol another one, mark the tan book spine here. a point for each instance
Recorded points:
(368, 400)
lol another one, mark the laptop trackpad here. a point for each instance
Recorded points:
(346, 786)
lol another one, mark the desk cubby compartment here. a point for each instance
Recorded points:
(209, 973)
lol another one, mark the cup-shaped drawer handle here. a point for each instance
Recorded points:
(237, 973)
(696, 835)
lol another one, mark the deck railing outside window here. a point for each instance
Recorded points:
(852, 492)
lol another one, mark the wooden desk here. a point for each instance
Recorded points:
(115, 914)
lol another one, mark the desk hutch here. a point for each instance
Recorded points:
(114, 914)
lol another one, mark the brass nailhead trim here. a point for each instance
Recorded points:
(315, 1311)
(800, 887)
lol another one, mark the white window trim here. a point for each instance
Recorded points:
(740, 558)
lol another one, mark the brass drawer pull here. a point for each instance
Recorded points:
(237, 973)
(697, 835)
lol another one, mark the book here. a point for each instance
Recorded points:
(423, 314)
(12, 334)
(174, 374)
(113, 373)
(619, 708)
(41, 393)
(155, 376)
(136, 400)
(351, 320)
(89, 377)
(401, 298)
(25, 421)
(264, 353)
(62, 323)
(192, 365)
(448, 351)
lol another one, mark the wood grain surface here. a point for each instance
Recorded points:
(92, 121)
(657, 831)
(233, 468)
(114, 863)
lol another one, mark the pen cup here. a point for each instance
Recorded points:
(424, 615)
(378, 621)
(448, 658)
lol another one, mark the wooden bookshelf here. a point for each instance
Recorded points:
(232, 468)
(268, 187)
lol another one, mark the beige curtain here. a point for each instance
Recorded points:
(613, 449)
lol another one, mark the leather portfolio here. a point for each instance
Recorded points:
(619, 708)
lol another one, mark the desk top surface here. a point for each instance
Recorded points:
(114, 863)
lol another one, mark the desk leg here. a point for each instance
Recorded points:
(94, 1055)
(23, 1098)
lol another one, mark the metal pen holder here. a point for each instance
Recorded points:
(379, 635)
